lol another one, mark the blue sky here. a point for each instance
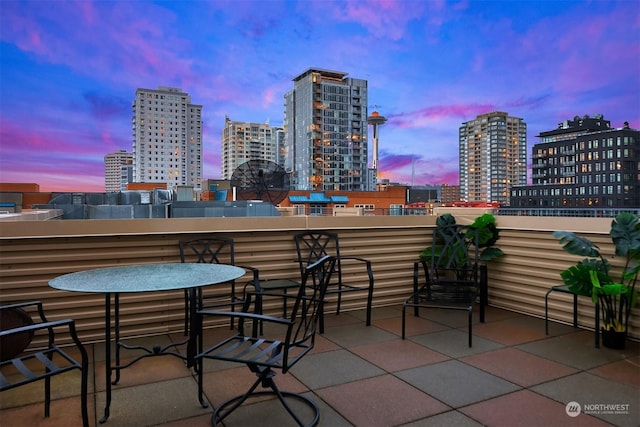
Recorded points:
(69, 72)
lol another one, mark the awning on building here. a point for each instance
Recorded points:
(316, 198)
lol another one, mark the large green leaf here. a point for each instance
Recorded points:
(445, 219)
(614, 289)
(578, 278)
(577, 245)
(625, 233)
(488, 254)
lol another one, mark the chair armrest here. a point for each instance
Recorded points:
(362, 260)
(36, 327)
(21, 305)
(352, 258)
(245, 315)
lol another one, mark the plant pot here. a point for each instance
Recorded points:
(613, 339)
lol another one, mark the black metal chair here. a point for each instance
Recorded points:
(263, 356)
(222, 250)
(566, 290)
(213, 250)
(450, 276)
(20, 367)
(314, 245)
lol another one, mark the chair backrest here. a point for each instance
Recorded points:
(454, 248)
(307, 308)
(314, 245)
(212, 250)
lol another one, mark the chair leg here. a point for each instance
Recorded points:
(186, 312)
(546, 312)
(404, 309)
(84, 390)
(47, 396)
(369, 302)
(597, 331)
(265, 379)
(470, 326)
(575, 310)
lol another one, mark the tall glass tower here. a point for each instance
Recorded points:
(493, 157)
(326, 132)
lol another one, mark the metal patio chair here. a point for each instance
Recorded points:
(314, 245)
(222, 250)
(450, 276)
(20, 366)
(280, 352)
(218, 250)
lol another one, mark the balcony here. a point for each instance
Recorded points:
(514, 374)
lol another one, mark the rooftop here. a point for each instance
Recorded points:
(367, 376)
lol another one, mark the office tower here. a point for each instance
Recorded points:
(118, 171)
(493, 157)
(244, 141)
(583, 163)
(326, 132)
(167, 138)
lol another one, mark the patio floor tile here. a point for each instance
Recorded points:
(446, 419)
(508, 332)
(625, 371)
(357, 334)
(398, 355)
(321, 370)
(380, 401)
(517, 366)
(413, 325)
(456, 383)
(151, 404)
(525, 408)
(454, 343)
(575, 349)
(588, 389)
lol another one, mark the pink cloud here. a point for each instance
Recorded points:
(424, 116)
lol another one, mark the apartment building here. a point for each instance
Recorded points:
(244, 141)
(326, 132)
(493, 157)
(167, 138)
(583, 163)
(118, 171)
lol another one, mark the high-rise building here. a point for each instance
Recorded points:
(583, 163)
(167, 138)
(326, 132)
(244, 141)
(493, 157)
(118, 171)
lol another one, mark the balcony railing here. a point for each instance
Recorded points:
(34, 252)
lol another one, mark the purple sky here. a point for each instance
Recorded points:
(69, 72)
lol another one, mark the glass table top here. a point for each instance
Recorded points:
(146, 277)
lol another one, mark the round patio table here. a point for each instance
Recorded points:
(145, 278)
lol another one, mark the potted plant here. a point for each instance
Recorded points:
(593, 276)
(488, 235)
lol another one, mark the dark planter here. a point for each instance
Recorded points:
(13, 345)
(613, 339)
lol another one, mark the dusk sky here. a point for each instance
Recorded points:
(69, 72)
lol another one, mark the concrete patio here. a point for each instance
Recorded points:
(514, 375)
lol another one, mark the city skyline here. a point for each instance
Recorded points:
(69, 73)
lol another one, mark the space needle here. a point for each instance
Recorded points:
(375, 120)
